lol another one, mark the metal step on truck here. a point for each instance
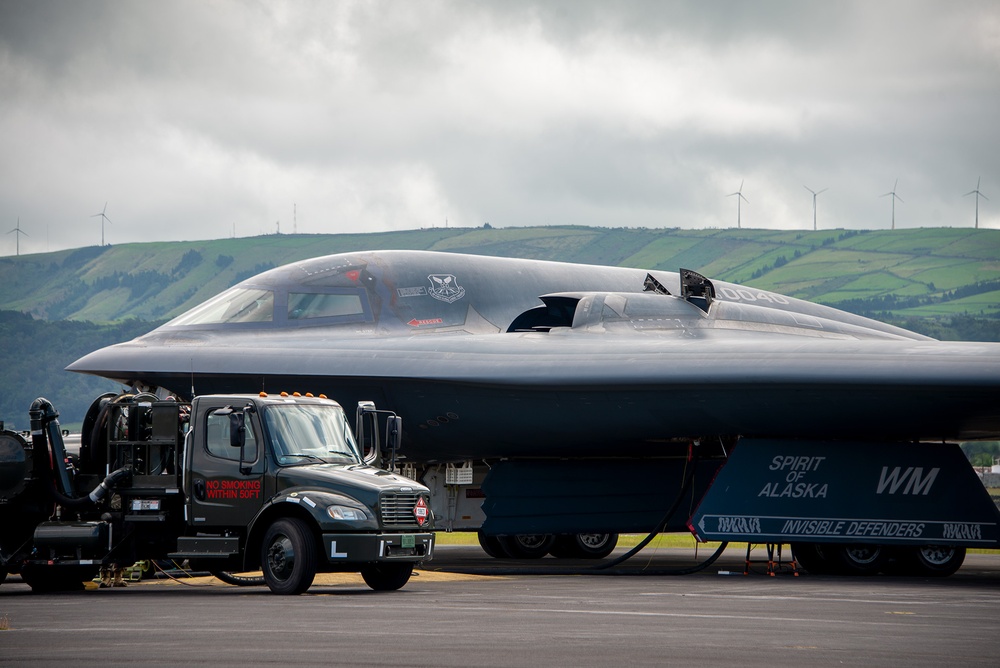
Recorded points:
(230, 483)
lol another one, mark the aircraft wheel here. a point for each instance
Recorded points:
(811, 557)
(584, 545)
(288, 557)
(239, 580)
(387, 577)
(527, 545)
(858, 559)
(491, 545)
(931, 560)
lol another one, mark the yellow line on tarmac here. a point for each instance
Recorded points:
(327, 579)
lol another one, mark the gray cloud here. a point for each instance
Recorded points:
(193, 118)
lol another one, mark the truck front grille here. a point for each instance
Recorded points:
(397, 509)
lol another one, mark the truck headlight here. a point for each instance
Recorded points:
(346, 513)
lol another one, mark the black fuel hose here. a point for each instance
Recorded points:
(95, 496)
(661, 525)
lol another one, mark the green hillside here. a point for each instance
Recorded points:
(899, 274)
(941, 282)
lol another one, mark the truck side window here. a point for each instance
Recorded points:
(217, 439)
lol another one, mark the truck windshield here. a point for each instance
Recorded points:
(310, 433)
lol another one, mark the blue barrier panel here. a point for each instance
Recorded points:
(774, 491)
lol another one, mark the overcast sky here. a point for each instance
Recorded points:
(198, 120)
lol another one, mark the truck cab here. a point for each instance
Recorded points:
(270, 478)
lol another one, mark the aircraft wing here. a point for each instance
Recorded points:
(558, 358)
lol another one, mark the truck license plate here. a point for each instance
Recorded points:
(409, 540)
(145, 504)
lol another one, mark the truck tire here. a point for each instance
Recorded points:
(239, 580)
(527, 545)
(584, 545)
(930, 560)
(387, 577)
(288, 556)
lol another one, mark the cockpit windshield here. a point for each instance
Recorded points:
(310, 433)
(232, 306)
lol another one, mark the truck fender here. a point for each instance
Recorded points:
(311, 506)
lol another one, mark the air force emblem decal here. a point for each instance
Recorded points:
(445, 287)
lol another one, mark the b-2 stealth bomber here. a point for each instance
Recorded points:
(596, 398)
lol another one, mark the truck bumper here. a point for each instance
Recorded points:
(377, 547)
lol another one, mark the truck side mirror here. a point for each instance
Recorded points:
(237, 430)
(394, 432)
(238, 436)
(393, 437)
(366, 432)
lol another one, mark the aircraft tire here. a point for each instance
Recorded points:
(387, 577)
(811, 557)
(492, 546)
(930, 560)
(857, 559)
(288, 556)
(527, 545)
(584, 545)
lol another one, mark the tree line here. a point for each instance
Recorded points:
(34, 356)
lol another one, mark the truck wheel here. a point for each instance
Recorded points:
(931, 560)
(239, 580)
(288, 556)
(491, 546)
(584, 545)
(527, 545)
(387, 577)
(859, 559)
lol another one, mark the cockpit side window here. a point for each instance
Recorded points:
(308, 305)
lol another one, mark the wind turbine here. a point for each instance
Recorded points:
(103, 218)
(894, 198)
(815, 192)
(18, 235)
(978, 195)
(739, 196)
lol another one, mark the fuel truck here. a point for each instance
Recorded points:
(230, 483)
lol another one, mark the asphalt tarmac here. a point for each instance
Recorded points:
(456, 613)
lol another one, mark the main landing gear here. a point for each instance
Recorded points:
(536, 546)
(921, 561)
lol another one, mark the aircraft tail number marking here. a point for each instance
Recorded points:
(911, 480)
